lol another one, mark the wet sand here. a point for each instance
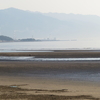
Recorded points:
(58, 54)
(14, 84)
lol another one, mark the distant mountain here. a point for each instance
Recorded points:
(25, 24)
(74, 17)
(86, 26)
(5, 38)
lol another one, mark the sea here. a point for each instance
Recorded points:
(49, 46)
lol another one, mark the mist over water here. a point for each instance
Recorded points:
(49, 45)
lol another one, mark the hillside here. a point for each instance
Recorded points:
(5, 38)
(25, 24)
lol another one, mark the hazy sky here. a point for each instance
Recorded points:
(91, 7)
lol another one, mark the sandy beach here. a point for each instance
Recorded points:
(28, 80)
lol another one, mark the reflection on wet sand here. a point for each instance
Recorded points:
(52, 80)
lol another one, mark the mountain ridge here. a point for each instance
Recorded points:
(18, 23)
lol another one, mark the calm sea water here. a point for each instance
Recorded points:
(48, 45)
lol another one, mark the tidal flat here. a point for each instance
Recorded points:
(49, 80)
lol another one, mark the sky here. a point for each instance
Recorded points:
(85, 7)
